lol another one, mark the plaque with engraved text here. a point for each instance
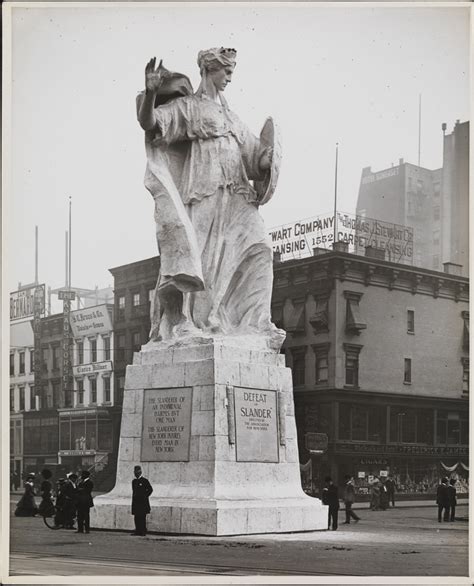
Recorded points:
(166, 425)
(256, 425)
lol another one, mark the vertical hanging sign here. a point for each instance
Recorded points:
(38, 309)
(67, 296)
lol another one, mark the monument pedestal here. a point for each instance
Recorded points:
(212, 426)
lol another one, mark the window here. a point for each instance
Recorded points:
(120, 386)
(68, 398)
(407, 372)
(136, 299)
(322, 363)
(22, 363)
(32, 398)
(106, 380)
(465, 330)
(32, 360)
(93, 389)
(403, 423)
(352, 364)
(359, 423)
(354, 322)
(362, 422)
(320, 318)
(121, 347)
(56, 394)
(136, 341)
(452, 428)
(12, 364)
(410, 321)
(465, 376)
(436, 213)
(22, 398)
(121, 307)
(80, 352)
(299, 368)
(106, 348)
(436, 234)
(12, 399)
(294, 316)
(80, 391)
(93, 349)
(56, 357)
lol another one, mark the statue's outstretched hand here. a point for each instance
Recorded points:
(154, 78)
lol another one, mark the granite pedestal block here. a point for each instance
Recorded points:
(212, 425)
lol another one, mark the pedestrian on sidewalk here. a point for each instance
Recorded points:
(391, 488)
(26, 506)
(452, 499)
(84, 502)
(46, 507)
(442, 500)
(330, 497)
(384, 500)
(375, 495)
(349, 499)
(69, 491)
(141, 490)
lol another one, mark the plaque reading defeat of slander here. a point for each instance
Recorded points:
(256, 425)
(166, 425)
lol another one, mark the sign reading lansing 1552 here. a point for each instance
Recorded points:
(166, 425)
(256, 427)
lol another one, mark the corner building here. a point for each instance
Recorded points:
(380, 359)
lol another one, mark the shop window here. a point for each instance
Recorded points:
(352, 352)
(80, 392)
(106, 380)
(452, 428)
(80, 351)
(121, 307)
(12, 364)
(377, 424)
(78, 434)
(93, 390)
(105, 436)
(354, 322)
(465, 331)
(106, 348)
(136, 341)
(299, 367)
(362, 423)
(322, 363)
(65, 435)
(359, 424)
(12, 399)
(344, 421)
(294, 316)
(319, 320)
(407, 371)
(425, 427)
(411, 321)
(93, 349)
(403, 425)
(21, 369)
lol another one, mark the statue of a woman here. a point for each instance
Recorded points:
(208, 174)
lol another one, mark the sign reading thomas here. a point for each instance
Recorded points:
(166, 425)
(297, 240)
(256, 425)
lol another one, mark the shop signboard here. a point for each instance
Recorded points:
(399, 449)
(93, 368)
(76, 452)
(298, 239)
(316, 442)
(383, 473)
(361, 474)
(91, 321)
(26, 301)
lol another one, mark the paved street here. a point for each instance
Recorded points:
(401, 541)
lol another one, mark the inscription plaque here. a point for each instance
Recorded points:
(256, 425)
(166, 425)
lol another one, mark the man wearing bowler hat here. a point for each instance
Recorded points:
(141, 490)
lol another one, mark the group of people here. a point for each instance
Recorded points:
(382, 493)
(446, 500)
(73, 500)
(330, 497)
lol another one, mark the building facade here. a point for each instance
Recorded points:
(380, 360)
(435, 203)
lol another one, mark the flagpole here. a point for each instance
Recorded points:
(335, 195)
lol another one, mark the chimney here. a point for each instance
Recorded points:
(341, 246)
(318, 251)
(452, 268)
(401, 161)
(374, 252)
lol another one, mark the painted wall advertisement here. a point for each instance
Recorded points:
(297, 240)
(24, 302)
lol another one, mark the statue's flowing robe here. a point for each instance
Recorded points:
(212, 240)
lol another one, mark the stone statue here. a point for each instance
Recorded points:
(208, 175)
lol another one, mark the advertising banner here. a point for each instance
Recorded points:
(91, 321)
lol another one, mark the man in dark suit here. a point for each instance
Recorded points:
(442, 499)
(141, 490)
(330, 497)
(84, 502)
(391, 487)
(452, 499)
(349, 499)
(69, 493)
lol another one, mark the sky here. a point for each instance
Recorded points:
(326, 74)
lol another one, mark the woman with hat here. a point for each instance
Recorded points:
(46, 507)
(26, 506)
(208, 174)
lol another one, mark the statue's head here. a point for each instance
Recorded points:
(217, 64)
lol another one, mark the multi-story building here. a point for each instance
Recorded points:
(379, 354)
(86, 424)
(380, 361)
(432, 202)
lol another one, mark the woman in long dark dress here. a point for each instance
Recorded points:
(26, 506)
(46, 508)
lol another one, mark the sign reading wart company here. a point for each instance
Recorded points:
(91, 321)
(297, 240)
(24, 302)
(166, 425)
(256, 425)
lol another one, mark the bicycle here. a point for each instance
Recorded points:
(54, 518)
